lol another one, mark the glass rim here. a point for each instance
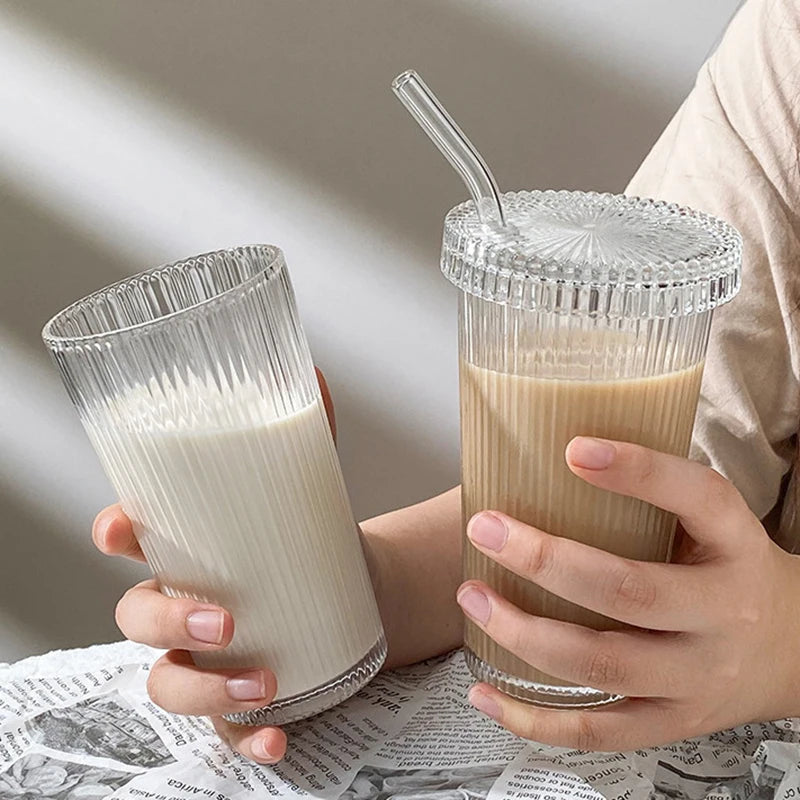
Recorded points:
(274, 258)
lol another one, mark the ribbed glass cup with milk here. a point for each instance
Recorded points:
(587, 314)
(196, 387)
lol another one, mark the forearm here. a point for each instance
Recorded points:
(415, 561)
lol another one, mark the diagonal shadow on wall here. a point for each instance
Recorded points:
(306, 83)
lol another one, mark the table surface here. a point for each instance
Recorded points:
(78, 725)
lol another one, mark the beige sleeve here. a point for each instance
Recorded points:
(733, 149)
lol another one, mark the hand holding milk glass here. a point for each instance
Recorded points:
(582, 314)
(196, 387)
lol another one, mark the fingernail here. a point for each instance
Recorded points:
(260, 750)
(487, 530)
(100, 532)
(484, 703)
(247, 686)
(206, 626)
(590, 453)
(475, 604)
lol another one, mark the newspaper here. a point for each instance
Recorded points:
(78, 725)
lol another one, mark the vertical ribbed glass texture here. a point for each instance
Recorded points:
(592, 321)
(195, 385)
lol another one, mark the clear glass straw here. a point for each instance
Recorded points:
(433, 118)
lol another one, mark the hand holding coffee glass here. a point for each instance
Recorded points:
(581, 314)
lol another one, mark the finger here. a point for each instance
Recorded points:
(628, 725)
(145, 615)
(112, 533)
(708, 506)
(180, 687)
(266, 745)
(327, 401)
(669, 597)
(633, 663)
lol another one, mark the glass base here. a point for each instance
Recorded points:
(539, 694)
(315, 701)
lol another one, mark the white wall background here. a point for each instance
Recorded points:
(139, 131)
